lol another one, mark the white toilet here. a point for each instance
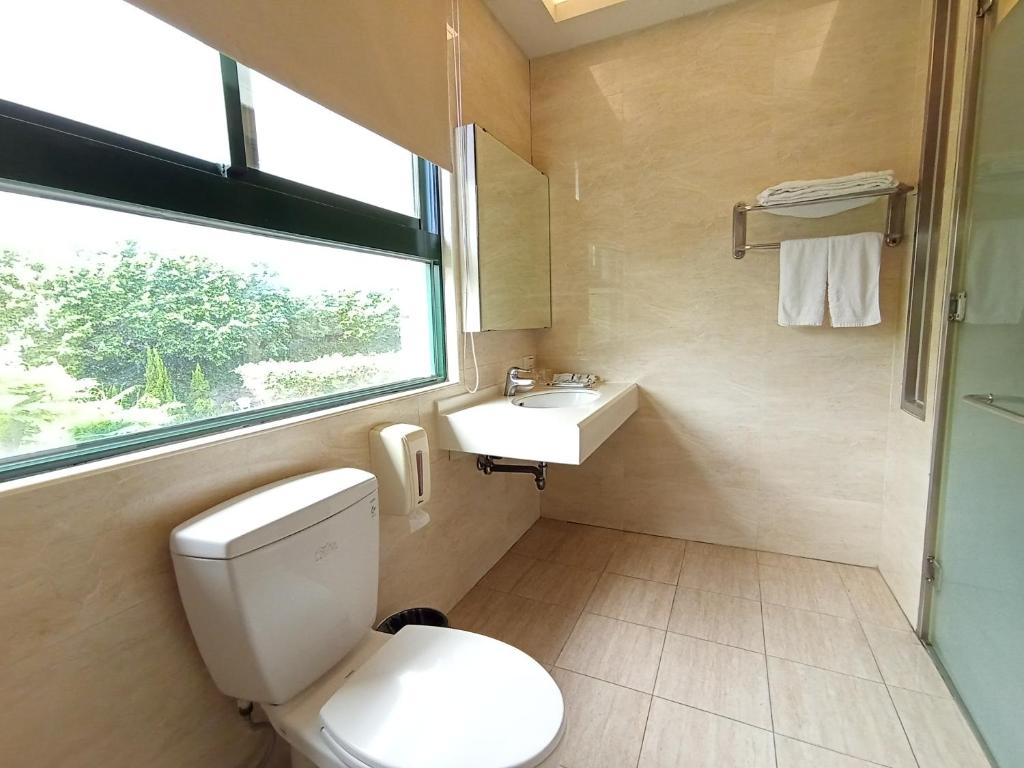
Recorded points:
(280, 588)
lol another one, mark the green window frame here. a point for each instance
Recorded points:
(49, 156)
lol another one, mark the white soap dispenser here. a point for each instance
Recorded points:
(400, 458)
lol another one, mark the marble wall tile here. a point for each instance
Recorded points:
(748, 433)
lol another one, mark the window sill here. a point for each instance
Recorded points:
(145, 455)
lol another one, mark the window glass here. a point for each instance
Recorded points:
(114, 323)
(109, 64)
(305, 142)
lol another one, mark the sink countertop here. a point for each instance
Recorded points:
(489, 423)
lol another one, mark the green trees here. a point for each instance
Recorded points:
(16, 301)
(107, 313)
(200, 404)
(158, 387)
(142, 339)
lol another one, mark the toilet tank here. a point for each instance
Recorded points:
(280, 583)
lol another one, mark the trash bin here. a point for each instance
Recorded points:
(430, 617)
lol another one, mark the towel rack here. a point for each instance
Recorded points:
(893, 218)
(988, 402)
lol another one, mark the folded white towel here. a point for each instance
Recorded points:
(803, 272)
(853, 266)
(815, 189)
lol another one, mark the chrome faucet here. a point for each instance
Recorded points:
(513, 383)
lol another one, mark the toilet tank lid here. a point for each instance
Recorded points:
(270, 513)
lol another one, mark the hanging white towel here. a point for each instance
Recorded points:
(853, 265)
(803, 272)
(995, 272)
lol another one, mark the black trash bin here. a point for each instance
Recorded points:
(430, 617)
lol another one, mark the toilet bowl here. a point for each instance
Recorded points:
(427, 697)
(280, 589)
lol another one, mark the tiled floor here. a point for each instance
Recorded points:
(673, 654)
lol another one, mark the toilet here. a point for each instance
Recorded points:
(280, 589)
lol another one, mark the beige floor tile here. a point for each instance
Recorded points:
(871, 597)
(819, 640)
(792, 561)
(796, 754)
(722, 575)
(719, 618)
(539, 629)
(558, 584)
(938, 732)
(586, 546)
(615, 651)
(716, 678)
(542, 539)
(604, 723)
(506, 572)
(682, 737)
(735, 554)
(809, 590)
(648, 557)
(635, 600)
(842, 713)
(904, 662)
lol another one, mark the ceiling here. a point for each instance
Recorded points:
(531, 23)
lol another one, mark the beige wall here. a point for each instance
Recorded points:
(748, 433)
(496, 79)
(97, 665)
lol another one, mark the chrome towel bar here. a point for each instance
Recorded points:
(894, 217)
(988, 402)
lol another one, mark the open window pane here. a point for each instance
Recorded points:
(110, 65)
(300, 140)
(114, 323)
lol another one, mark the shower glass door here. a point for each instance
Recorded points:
(977, 616)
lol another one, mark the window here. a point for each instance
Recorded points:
(108, 64)
(176, 267)
(300, 140)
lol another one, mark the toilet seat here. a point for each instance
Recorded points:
(443, 698)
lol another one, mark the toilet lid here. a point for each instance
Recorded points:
(443, 698)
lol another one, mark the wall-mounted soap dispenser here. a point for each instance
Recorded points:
(400, 458)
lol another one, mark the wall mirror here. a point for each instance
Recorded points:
(507, 237)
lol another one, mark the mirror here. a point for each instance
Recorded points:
(507, 228)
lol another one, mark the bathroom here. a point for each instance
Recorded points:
(773, 545)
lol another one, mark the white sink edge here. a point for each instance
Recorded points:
(486, 422)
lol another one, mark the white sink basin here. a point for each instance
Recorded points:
(554, 425)
(571, 398)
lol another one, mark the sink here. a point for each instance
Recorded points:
(571, 398)
(559, 426)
